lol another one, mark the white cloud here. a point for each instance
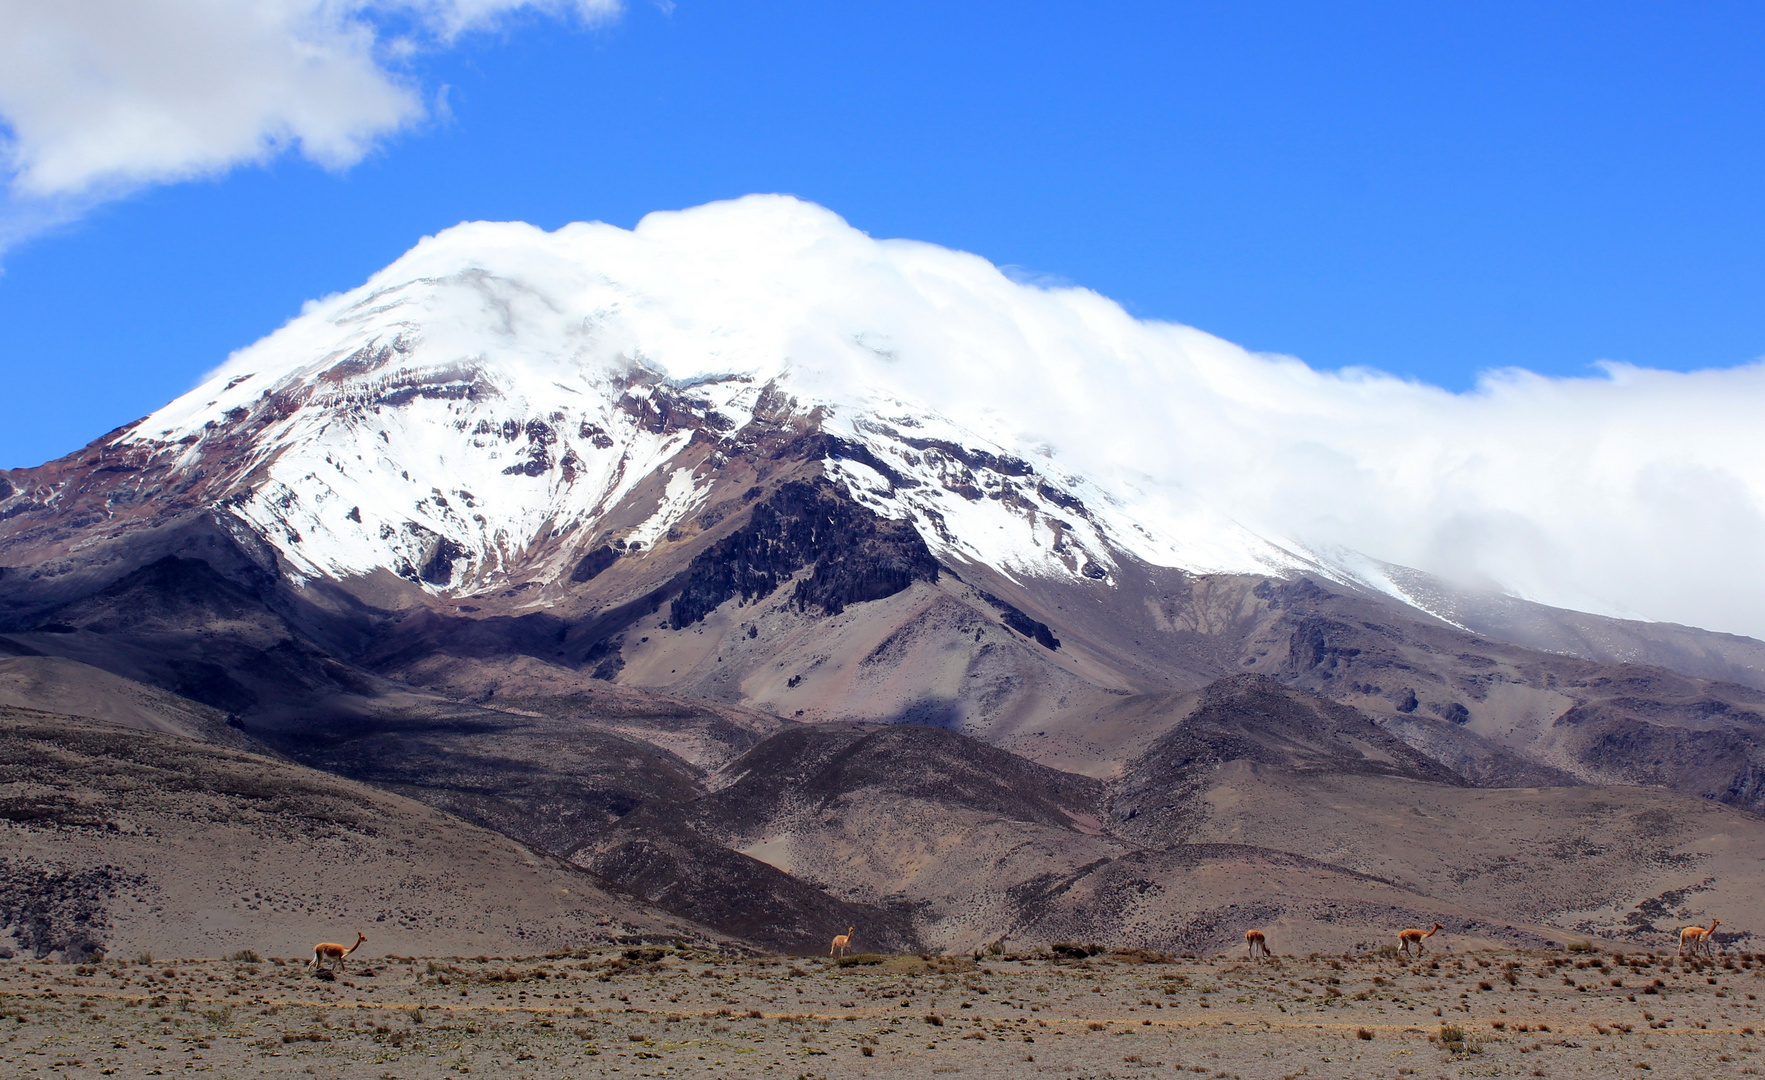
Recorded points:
(100, 97)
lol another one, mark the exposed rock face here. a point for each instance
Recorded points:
(593, 563)
(854, 555)
(1023, 624)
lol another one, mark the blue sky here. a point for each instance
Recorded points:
(1428, 190)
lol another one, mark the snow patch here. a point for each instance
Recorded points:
(681, 497)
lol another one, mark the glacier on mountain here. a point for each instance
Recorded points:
(468, 400)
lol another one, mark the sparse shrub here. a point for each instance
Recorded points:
(1583, 947)
(934, 1019)
(247, 956)
(858, 960)
(1364, 1033)
(1074, 951)
(312, 1034)
(1152, 956)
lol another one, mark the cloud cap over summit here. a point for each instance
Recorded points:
(1632, 492)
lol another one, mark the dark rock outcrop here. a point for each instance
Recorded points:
(591, 565)
(1023, 624)
(854, 555)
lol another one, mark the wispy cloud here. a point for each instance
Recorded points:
(99, 98)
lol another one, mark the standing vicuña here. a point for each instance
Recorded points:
(1254, 940)
(1406, 938)
(1699, 936)
(329, 950)
(840, 942)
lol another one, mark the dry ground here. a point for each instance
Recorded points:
(650, 1012)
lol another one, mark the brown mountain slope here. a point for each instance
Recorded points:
(1630, 863)
(132, 841)
(1259, 763)
(1332, 831)
(1475, 704)
(914, 833)
(1200, 898)
(67, 687)
(655, 856)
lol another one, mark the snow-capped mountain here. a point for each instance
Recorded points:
(502, 402)
(749, 460)
(500, 387)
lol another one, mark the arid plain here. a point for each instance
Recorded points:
(654, 1012)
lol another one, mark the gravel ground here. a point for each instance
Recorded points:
(667, 1013)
